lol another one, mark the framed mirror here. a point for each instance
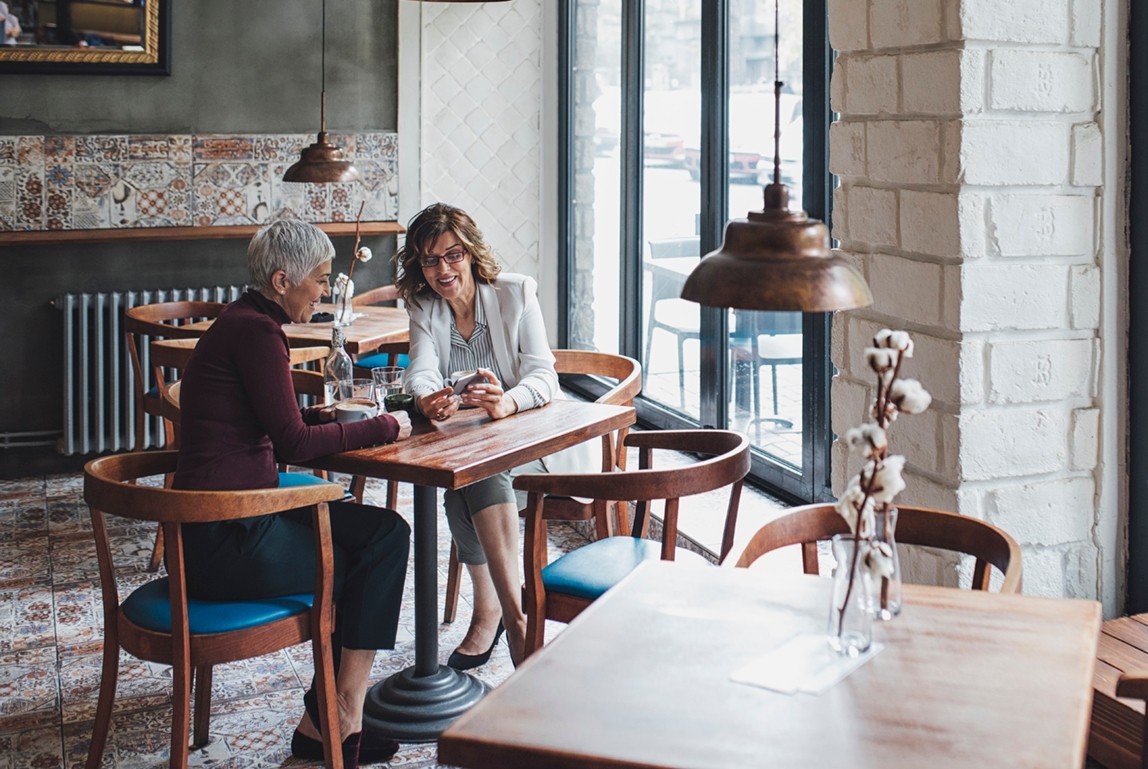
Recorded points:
(86, 37)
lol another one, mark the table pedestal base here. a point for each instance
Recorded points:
(412, 708)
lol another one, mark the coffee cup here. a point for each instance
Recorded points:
(355, 409)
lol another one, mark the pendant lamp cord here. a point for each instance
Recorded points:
(323, 75)
(777, 84)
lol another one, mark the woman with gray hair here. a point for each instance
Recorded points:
(239, 419)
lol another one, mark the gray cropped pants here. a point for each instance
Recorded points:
(462, 504)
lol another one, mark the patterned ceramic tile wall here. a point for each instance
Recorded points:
(481, 120)
(111, 181)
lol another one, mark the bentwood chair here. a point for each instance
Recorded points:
(627, 372)
(169, 358)
(388, 354)
(809, 524)
(562, 589)
(668, 311)
(162, 320)
(159, 623)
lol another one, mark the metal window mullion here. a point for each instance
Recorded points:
(714, 166)
(630, 194)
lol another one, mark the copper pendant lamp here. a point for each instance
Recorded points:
(776, 259)
(322, 163)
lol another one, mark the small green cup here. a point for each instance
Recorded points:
(400, 402)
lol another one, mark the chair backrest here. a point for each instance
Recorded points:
(809, 524)
(376, 295)
(162, 320)
(627, 372)
(674, 247)
(726, 465)
(110, 487)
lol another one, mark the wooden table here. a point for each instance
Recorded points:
(641, 679)
(416, 704)
(378, 326)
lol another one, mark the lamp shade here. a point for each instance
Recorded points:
(776, 259)
(322, 163)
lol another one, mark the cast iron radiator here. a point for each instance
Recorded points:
(99, 399)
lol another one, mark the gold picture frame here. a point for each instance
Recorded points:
(151, 56)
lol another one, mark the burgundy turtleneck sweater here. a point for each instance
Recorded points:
(238, 412)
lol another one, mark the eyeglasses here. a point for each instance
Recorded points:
(454, 256)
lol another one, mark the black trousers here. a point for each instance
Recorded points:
(274, 555)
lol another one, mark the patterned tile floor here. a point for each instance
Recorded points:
(50, 644)
(51, 640)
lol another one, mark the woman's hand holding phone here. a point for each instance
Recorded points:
(487, 394)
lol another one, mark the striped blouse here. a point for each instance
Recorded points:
(479, 353)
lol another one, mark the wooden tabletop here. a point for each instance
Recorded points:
(471, 446)
(641, 679)
(377, 326)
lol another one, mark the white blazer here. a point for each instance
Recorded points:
(518, 336)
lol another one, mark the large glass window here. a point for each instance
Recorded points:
(671, 133)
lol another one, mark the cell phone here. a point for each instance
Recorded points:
(464, 382)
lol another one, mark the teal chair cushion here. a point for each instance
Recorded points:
(148, 607)
(591, 570)
(299, 479)
(383, 359)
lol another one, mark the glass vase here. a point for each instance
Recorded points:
(850, 617)
(887, 590)
(344, 308)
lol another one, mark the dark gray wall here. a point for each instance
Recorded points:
(237, 66)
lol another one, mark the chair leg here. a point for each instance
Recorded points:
(202, 726)
(649, 346)
(773, 381)
(682, 371)
(156, 550)
(358, 486)
(453, 579)
(180, 713)
(108, 677)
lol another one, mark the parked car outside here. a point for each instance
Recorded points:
(751, 135)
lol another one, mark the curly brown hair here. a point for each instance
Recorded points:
(422, 231)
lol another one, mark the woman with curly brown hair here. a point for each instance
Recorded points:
(468, 315)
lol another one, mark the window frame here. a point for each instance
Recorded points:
(813, 482)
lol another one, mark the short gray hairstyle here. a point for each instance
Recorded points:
(291, 245)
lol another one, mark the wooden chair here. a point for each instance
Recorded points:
(169, 357)
(388, 354)
(162, 320)
(562, 589)
(159, 623)
(668, 311)
(628, 374)
(809, 524)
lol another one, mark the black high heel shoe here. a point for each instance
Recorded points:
(369, 747)
(460, 661)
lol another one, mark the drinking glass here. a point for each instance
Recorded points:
(357, 388)
(388, 381)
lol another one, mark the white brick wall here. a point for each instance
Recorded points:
(971, 163)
